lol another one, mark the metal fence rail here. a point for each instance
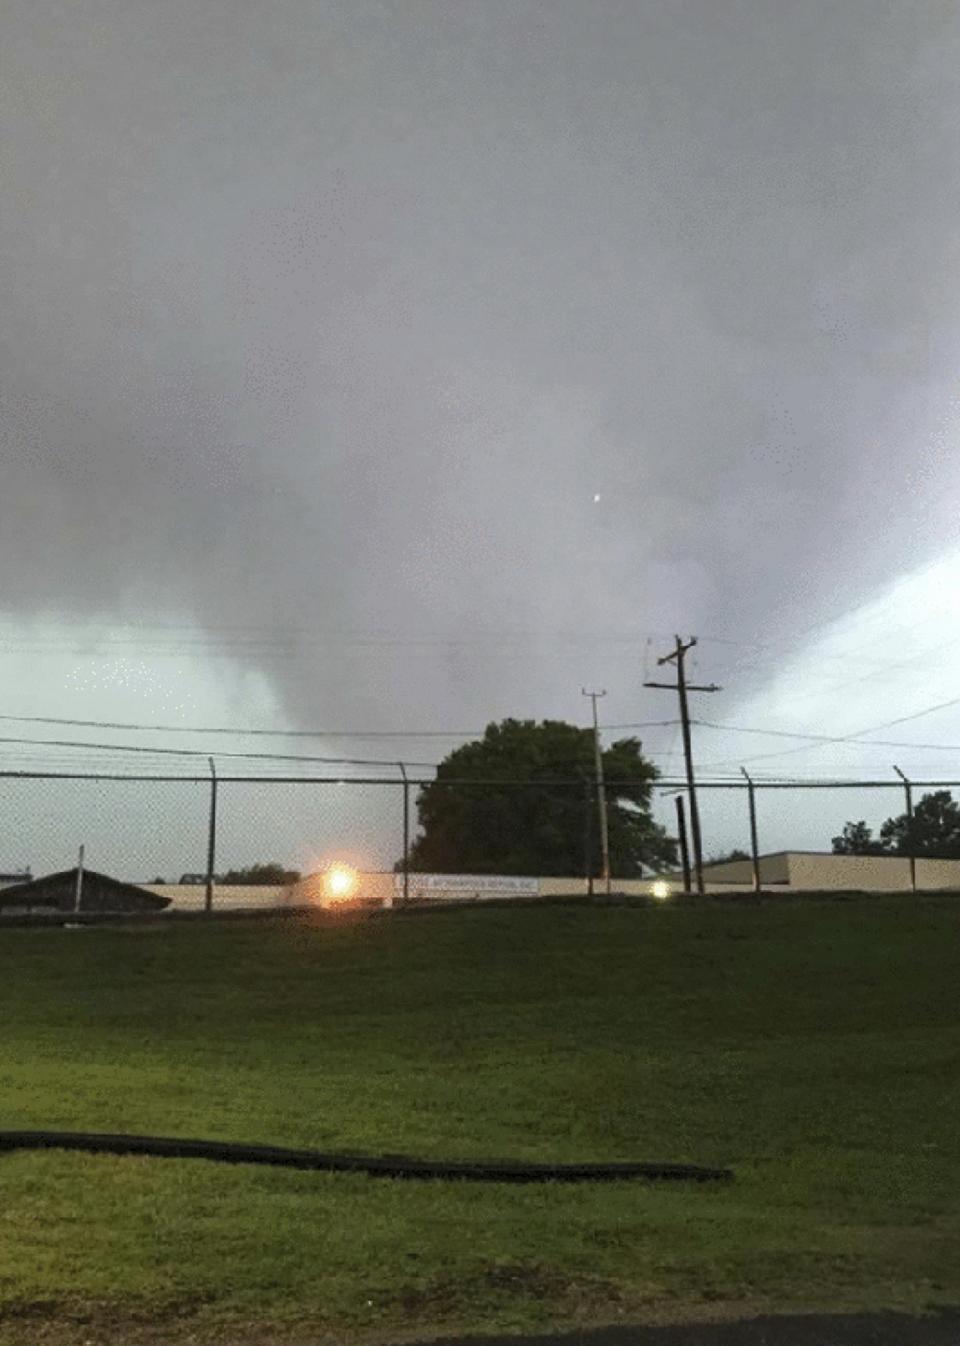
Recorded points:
(153, 829)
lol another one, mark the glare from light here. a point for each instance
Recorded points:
(340, 882)
(660, 889)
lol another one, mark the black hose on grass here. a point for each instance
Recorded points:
(382, 1166)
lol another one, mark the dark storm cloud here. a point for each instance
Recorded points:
(338, 316)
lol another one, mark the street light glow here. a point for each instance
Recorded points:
(340, 882)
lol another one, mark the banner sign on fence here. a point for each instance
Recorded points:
(466, 887)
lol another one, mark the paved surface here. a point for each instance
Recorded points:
(814, 1330)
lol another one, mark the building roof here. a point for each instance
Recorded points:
(820, 855)
(108, 894)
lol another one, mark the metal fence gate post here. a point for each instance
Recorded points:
(588, 837)
(211, 839)
(78, 889)
(754, 846)
(406, 834)
(682, 838)
(908, 791)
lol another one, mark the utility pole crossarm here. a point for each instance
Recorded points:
(680, 651)
(691, 686)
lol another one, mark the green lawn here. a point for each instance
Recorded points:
(814, 1047)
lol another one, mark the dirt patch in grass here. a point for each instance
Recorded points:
(443, 1299)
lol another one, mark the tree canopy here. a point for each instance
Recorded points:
(933, 832)
(725, 857)
(270, 873)
(521, 800)
(857, 839)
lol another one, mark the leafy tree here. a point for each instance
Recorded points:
(269, 873)
(723, 858)
(857, 839)
(934, 829)
(527, 804)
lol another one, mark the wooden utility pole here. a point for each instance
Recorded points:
(682, 687)
(908, 790)
(587, 838)
(601, 792)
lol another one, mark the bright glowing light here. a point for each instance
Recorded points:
(660, 888)
(596, 499)
(340, 882)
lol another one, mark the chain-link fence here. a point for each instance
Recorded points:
(194, 837)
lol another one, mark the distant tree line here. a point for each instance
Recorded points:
(725, 857)
(933, 832)
(270, 873)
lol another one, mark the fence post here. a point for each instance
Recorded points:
(588, 837)
(908, 791)
(78, 889)
(682, 835)
(211, 838)
(754, 847)
(406, 834)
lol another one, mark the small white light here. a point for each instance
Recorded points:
(660, 889)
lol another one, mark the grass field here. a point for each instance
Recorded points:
(814, 1047)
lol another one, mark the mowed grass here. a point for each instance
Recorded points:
(813, 1046)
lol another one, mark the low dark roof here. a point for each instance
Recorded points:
(31, 893)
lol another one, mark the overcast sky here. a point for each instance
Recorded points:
(377, 365)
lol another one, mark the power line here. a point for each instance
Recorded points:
(881, 670)
(734, 782)
(287, 733)
(829, 738)
(917, 715)
(284, 643)
(855, 737)
(206, 637)
(115, 749)
(643, 724)
(251, 733)
(122, 631)
(196, 752)
(293, 653)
